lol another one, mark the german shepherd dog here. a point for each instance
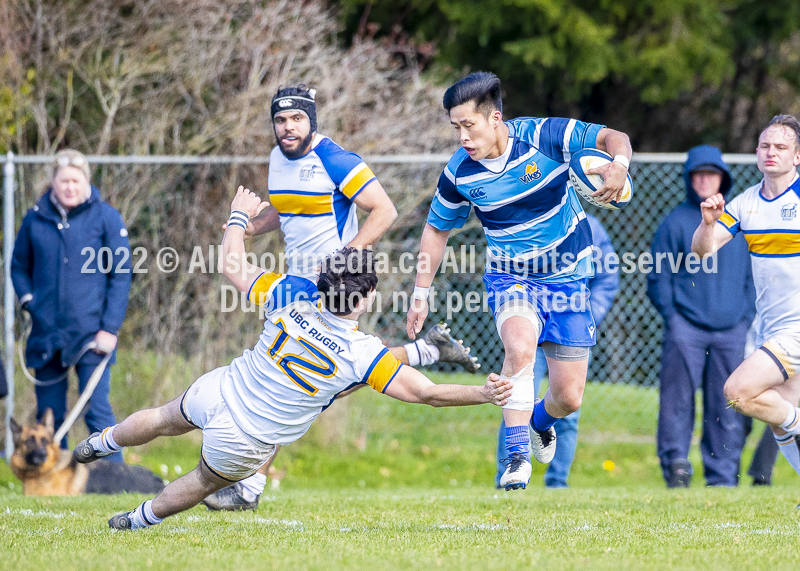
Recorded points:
(47, 470)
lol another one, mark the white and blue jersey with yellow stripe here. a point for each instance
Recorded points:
(304, 358)
(314, 197)
(772, 230)
(534, 223)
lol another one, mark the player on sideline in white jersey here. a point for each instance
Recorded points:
(539, 253)
(315, 187)
(766, 385)
(309, 355)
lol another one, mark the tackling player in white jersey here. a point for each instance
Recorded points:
(315, 188)
(766, 385)
(270, 395)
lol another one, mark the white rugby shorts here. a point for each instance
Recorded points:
(227, 451)
(785, 351)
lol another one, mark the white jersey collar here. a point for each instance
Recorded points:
(498, 164)
(788, 188)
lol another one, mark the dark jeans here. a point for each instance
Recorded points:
(98, 410)
(693, 358)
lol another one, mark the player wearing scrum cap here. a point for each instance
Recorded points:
(315, 187)
(766, 385)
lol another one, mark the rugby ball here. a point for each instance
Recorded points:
(586, 184)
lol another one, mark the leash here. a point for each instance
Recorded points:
(84, 398)
(87, 391)
(50, 382)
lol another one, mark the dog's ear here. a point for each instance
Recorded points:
(16, 431)
(48, 420)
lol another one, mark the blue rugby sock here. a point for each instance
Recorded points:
(518, 441)
(540, 420)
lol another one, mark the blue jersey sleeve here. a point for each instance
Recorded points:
(557, 137)
(275, 291)
(347, 171)
(449, 209)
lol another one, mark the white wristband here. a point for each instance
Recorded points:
(623, 160)
(239, 218)
(420, 293)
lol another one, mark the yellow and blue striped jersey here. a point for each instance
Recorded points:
(772, 230)
(314, 196)
(303, 359)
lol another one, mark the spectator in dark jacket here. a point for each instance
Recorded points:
(72, 273)
(603, 287)
(706, 318)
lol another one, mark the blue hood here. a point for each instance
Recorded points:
(705, 155)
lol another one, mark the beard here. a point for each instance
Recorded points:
(302, 148)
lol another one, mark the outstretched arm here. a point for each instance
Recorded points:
(412, 386)
(431, 252)
(234, 264)
(710, 236)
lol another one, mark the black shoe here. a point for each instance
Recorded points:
(680, 474)
(229, 499)
(85, 453)
(121, 522)
(758, 482)
(451, 350)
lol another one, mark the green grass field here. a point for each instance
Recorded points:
(379, 484)
(479, 528)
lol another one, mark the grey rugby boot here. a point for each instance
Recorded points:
(121, 522)
(543, 444)
(229, 499)
(85, 453)
(451, 350)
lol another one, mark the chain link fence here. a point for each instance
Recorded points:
(182, 205)
(629, 339)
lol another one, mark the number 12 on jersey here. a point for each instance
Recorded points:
(291, 363)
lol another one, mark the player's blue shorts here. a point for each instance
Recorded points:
(564, 309)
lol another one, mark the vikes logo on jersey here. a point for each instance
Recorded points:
(516, 288)
(789, 212)
(532, 173)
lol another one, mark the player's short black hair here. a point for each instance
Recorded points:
(346, 277)
(789, 121)
(480, 87)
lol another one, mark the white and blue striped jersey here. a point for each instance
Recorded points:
(534, 223)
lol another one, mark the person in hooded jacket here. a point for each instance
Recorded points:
(71, 271)
(706, 318)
